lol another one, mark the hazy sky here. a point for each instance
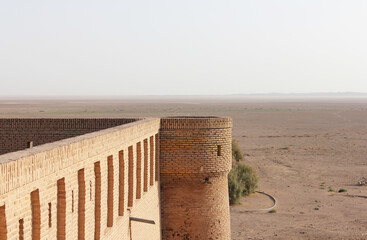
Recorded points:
(182, 47)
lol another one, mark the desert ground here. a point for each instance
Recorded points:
(303, 150)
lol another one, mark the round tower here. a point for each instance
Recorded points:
(195, 158)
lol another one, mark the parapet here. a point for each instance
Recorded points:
(17, 133)
(195, 145)
(83, 179)
(183, 122)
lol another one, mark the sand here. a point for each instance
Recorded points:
(303, 150)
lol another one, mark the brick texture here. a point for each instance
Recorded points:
(110, 192)
(121, 183)
(194, 188)
(61, 209)
(97, 206)
(36, 215)
(21, 229)
(146, 165)
(44, 165)
(85, 178)
(3, 225)
(81, 205)
(16, 133)
(138, 170)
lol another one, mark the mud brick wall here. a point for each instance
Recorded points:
(195, 158)
(78, 188)
(16, 133)
(171, 170)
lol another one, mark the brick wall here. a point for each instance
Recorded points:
(53, 191)
(88, 186)
(16, 133)
(195, 158)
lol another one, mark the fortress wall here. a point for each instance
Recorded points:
(195, 158)
(55, 190)
(16, 133)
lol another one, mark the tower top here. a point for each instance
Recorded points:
(188, 122)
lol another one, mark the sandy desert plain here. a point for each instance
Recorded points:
(303, 150)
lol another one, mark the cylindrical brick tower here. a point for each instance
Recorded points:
(195, 158)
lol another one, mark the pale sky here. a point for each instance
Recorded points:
(171, 47)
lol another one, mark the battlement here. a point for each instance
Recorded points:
(92, 178)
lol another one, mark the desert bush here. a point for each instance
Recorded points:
(242, 179)
(236, 151)
(235, 187)
(247, 177)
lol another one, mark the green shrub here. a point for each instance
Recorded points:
(342, 190)
(235, 188)
(247, 177)
(242, 179)
(236, 151)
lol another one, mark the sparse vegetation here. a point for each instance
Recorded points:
(272, 211)
(242, 179)
(316, 208)
(362, 181)
(236, 152)
(235, 188)
(330, 189)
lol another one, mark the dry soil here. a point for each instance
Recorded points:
(303, 150)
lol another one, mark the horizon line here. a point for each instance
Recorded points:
(275, 94)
